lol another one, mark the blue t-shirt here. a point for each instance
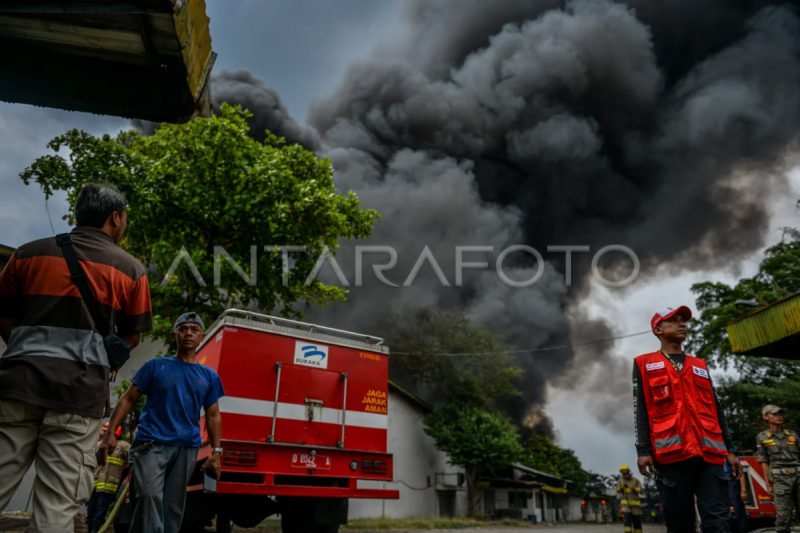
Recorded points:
(176, 391)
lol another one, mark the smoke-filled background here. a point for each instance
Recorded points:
(662, 126)
(667, 127)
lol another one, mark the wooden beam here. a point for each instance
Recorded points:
(97, 6)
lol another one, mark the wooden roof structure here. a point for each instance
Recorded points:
(769, 331)
(5, 254)
(145, 59)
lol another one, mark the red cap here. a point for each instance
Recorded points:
(668, 312)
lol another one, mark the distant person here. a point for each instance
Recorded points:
(165, 449)
(779, 455)
(630, 489)
(737, 492)
(54, 374)
(107, 478)
(682, 436)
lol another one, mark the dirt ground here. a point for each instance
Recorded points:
(22, 524)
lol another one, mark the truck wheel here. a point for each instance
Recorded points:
(224, 524)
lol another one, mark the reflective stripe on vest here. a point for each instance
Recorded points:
(681, 409)
(115, 460)
(105, 487)
(718, 444)
(634, 503)
(667, 442)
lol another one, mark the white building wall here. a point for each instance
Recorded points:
(574, 508)
(416, 463)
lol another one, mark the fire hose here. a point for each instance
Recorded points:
(115, 510)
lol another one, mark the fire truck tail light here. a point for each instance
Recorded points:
(371, 466)
(239, 458)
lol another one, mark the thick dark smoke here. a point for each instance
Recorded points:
(661, 126)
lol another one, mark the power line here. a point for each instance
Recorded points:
(532, 350)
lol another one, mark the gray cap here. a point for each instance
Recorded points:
(773, 409)
(193, 318)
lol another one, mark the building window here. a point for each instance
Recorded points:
(517, 500)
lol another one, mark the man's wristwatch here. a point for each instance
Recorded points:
(216, 450)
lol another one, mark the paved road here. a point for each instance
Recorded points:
(576, 528)
(21, 526)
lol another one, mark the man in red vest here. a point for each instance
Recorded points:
(681, 434)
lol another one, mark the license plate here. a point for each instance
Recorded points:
(311, 462)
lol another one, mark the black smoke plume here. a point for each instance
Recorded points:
(661, 126)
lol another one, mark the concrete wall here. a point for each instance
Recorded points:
(416, 463)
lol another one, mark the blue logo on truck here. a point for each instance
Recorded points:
(309, 354)
(313, 351)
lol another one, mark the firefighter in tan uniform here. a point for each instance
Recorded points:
(630, 490)
(779, 455)
(106, 483)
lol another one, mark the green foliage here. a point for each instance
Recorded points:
(473, 437)
(760, 381)
(773, 381)
(420, 337)
(480, 441)
(205, 184)
(541, 454)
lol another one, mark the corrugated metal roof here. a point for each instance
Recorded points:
(770, 331)
(6, 251)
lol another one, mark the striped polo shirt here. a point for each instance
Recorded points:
(55, 359)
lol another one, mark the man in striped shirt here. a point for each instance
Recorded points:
(55, 371)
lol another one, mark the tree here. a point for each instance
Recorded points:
(479, 441)
(421, 337)
(200, 190)
(540, 453)
(760, 381)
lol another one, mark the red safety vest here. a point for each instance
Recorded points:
(681, 410)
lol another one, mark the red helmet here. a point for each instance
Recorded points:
(117, 433)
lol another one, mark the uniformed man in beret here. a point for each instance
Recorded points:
(779, 455)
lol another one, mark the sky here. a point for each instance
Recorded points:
(302, 49)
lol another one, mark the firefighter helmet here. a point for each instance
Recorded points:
(118, 433)
(624, 469)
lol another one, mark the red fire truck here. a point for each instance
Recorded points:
(304, 419)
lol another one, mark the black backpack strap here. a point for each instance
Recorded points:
(80, 280)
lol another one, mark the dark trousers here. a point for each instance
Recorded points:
(97, 506)
(679, 483)
(735, 491)
(161, 474)
(633, 523)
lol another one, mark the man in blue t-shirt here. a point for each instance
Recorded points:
(164, 451)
